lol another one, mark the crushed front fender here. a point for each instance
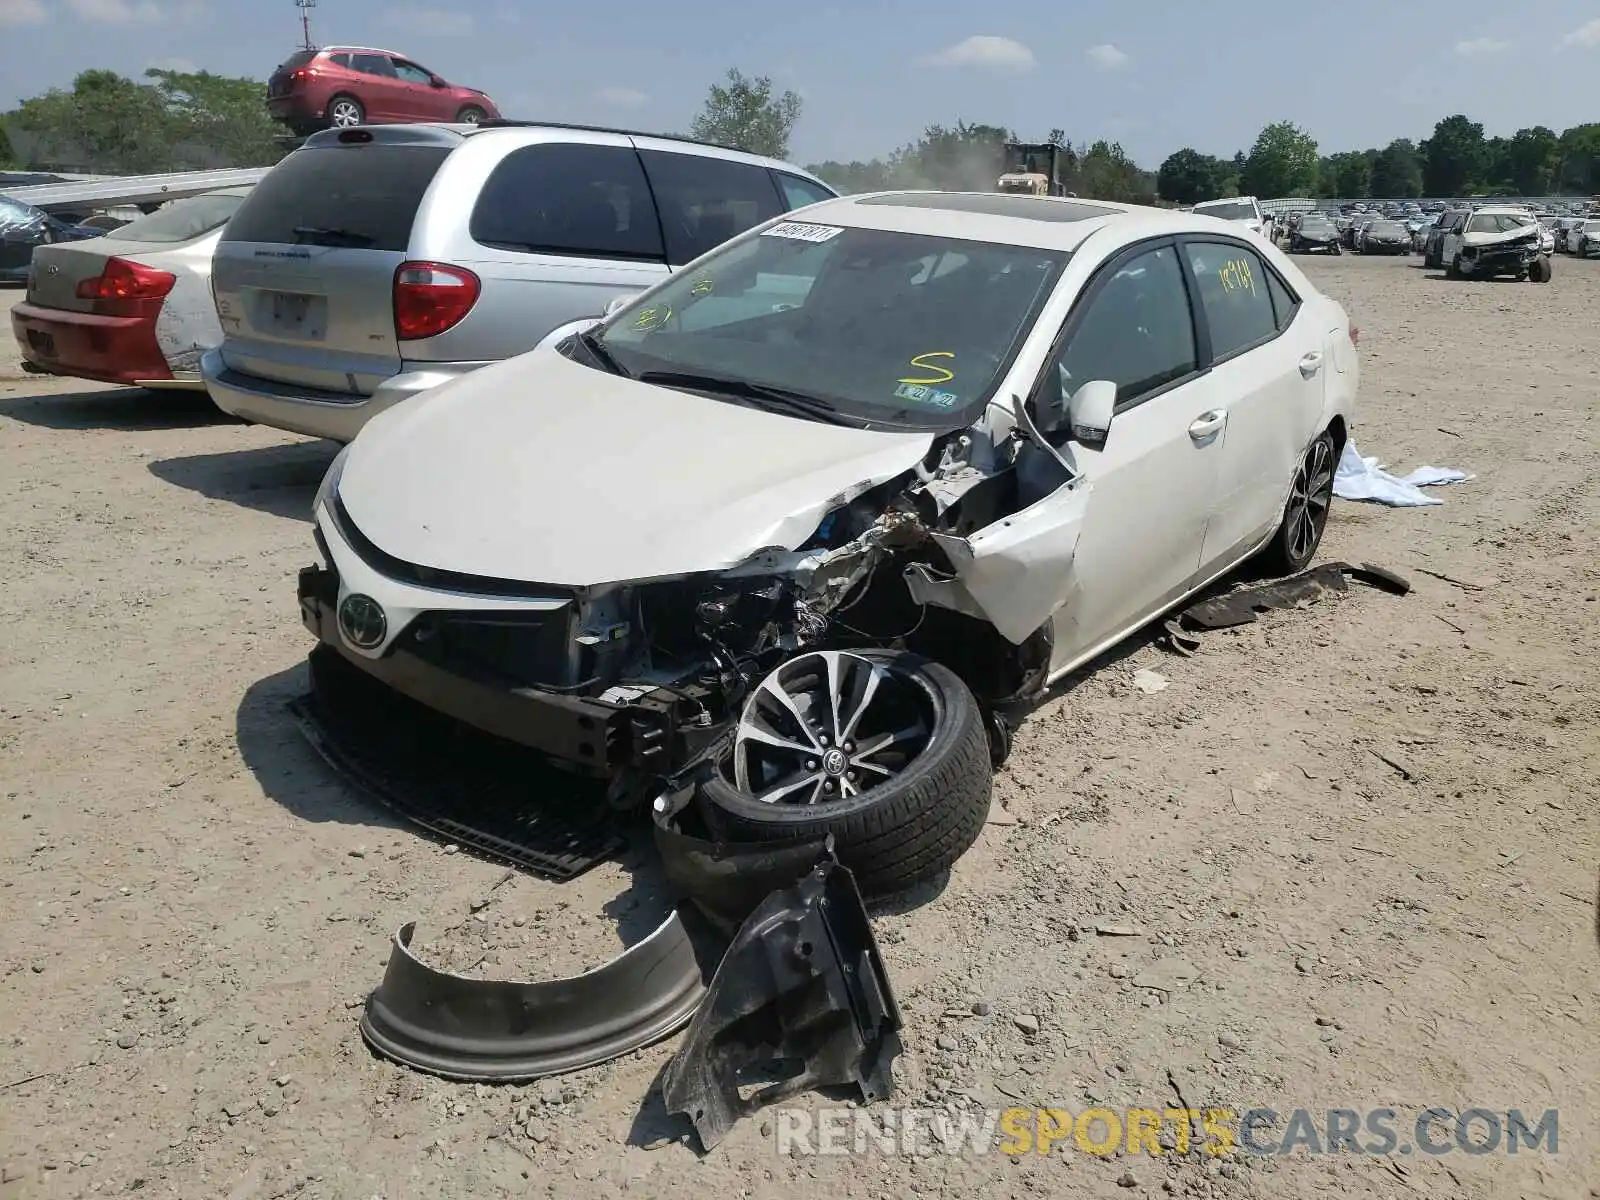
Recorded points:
(505, 1031)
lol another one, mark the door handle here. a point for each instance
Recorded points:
(1311, 364)
(1208, 424)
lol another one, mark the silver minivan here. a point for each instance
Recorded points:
(376, 262)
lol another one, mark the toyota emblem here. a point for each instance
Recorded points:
(362, 622)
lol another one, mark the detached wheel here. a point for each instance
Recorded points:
(1540, 270)
(1305, 516)
(886, 751)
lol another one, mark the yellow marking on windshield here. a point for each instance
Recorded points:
(944, 375)
(653, 318)
(702, 287)
(1236, 276)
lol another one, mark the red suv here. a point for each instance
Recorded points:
(351, 85)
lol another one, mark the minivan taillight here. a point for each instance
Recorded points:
(125, 288)
(430, 298)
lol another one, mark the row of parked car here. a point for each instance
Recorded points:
(787, 533)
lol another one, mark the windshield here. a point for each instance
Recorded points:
(15, 212)
(1315, 224)
(1496, 223)
(887, 328)
(183, 219)
(1228, 210)
(1389, 227)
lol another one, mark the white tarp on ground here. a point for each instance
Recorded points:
(1365, 479)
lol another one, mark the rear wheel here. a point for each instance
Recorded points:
(885, 751)
(1305, 516)
(345, 112)
(470, 115)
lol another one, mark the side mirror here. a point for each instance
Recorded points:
(1089, 411)
(437, 82)
(618, 303)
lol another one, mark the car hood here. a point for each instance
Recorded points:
(545, 470)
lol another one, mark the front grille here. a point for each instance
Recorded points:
(515, 649)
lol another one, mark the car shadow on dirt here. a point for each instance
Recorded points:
(280, 480)
(134, 410)
(285, 765)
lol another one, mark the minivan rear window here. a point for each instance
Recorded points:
(356, 196)
(298, 59)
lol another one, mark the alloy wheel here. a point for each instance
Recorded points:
(345, 115)
(1310, 497)
(826, 726)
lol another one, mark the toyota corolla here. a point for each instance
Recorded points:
(791, 527)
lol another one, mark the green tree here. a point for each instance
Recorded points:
(1283, 162)
(852, 177)
(1396, 171)
(1346, 175)
(1105, 172)
(221, 117)
(1188, 177)
(745, 113)
(1454, 157)
(1578, 169)
(106, 124)
(1531, 158)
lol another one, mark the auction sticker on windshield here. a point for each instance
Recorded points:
(923, 394)
(800, 231)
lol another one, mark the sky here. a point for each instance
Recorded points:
(1155, 76)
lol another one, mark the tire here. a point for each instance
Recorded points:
(1337, 249)
(470, 115)
(1305, 514)
(910, 827)
(1540, 270)
(345, 112)
(1453, 271)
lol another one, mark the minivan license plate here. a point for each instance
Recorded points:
(290, 308)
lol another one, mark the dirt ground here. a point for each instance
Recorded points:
(1352, 849)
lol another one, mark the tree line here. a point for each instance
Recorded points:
(1456, 160)
(171, 121)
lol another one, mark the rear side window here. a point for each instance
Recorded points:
(373, 64)
(182, 219)
(799, 192)
(1284, 302)
(1235, 294)
(340, 60)
(706, 201)
(362, 197)
(569, 198)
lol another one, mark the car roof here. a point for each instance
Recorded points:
(450, 136)
(1045, 222)
(361, 50)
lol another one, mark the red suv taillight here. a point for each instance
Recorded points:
(430, 298)
(127, 289)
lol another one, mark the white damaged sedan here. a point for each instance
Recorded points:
(788, 529)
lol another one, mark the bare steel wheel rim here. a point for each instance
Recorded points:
(1309, 500)
(827, 726)
(345, 114)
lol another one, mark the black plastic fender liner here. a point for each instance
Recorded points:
(727, 881)
(504, 1031)
(800, 1001)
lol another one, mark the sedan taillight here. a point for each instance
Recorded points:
(430, 298)
(125, 288)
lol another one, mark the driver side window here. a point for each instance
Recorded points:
(1136, 332)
